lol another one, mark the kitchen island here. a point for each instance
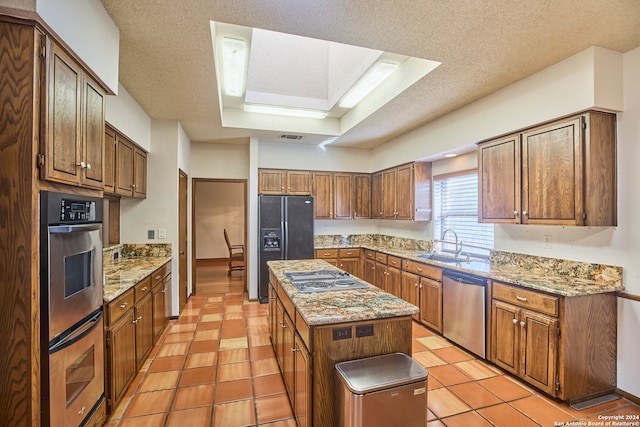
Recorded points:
(311, 332)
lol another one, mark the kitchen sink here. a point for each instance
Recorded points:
(435, 256)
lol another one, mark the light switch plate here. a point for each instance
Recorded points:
(162, 233)
(151, 234)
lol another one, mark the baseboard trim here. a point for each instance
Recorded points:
(632, 397)
(211, 262)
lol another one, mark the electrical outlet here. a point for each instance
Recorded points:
(547, 241)
(151, 234)
(342, 333)
(364, 331)
(162, 233)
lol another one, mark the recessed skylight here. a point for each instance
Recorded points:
(302, 82)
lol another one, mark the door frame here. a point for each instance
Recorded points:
(194, 233)
(183, 236)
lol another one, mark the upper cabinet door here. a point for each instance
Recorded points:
(271, 181)
(109, 160)
(124, 166)
(404, 192)
(139, 173)
(323, 195)
(63, 145)
(93, 136)
(362, 195)
(499, 180)
(389, 194)
(552, 181)
(342, 196)
(376, 195)
(299, 182)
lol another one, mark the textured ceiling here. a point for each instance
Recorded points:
(166, 59)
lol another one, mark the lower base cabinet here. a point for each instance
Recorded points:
(121, 358)
(134, 321)
(564, 346)
(307, 354)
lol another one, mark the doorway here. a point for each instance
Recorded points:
(218, 204)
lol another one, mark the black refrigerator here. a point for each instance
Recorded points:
(286, 232)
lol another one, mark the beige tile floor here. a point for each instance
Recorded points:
(215, 367)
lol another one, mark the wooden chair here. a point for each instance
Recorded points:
(236, 255)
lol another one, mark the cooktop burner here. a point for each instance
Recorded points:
(323, 280)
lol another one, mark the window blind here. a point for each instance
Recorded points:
(456, 207)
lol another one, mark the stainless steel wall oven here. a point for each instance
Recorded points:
(71, 307)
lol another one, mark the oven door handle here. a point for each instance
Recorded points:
(60, 229)
(78, 334)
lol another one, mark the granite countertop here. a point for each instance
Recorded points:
(323, 308)
(124, 273)
(515, 273)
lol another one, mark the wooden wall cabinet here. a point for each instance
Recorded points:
(341, 195)
(131, 168)
(561, 173)
(376, 196)
(73, 148)
(281, 181)
(406, 192)
(544, 339)
(110, 160)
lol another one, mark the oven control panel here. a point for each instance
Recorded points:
(77, 211)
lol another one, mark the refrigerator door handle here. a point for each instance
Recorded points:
(286, 238)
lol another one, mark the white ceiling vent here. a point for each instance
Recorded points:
(288, 136)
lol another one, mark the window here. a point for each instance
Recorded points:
(456, 207)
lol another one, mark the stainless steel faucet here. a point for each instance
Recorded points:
(458, 243)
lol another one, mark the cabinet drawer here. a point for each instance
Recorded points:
(532, 300)
(327, 253)
(119, 306)
(381, 257)
(369, 254)
(157, 276)
(286, 303)
(142, 289)
(303, 329)
(350, 253)
(423, 270)
(394, 261)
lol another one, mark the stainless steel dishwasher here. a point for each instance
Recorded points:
(463, 310)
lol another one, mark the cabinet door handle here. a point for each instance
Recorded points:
(144, 289)
(519, 298)
(135, 321)
(419, 270)
(524, 213)
(522, 323)
(283, 325)
(515, 321)
(164, 289)
(88, 165)
(293, 349)
(157, 277)
(123, 305)
(515, 213)
(82, 165)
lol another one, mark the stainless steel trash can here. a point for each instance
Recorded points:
(381, 391)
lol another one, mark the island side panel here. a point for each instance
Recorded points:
(390, 336)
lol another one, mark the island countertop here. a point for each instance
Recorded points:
(352, 305)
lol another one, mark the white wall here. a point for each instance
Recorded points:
(89, 31)
(222, 161)
(126, 115)
(160, 208)
(312, 157)
(563, 88)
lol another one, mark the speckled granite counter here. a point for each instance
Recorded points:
(352, 305)
(123, 273)
(557, 276)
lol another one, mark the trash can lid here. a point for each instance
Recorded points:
(379, 372)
